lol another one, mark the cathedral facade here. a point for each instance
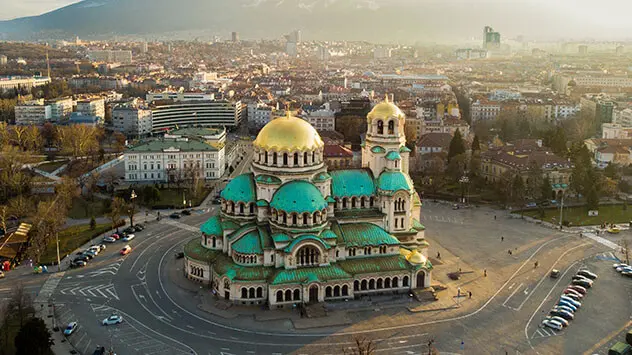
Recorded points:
(289, 231)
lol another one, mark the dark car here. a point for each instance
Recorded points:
(100, 350)
(81, 258)
(582, 283)
(129, 230)
(186, 212)
(139, 227)
(78, 263)
(217, 201)
(179, 255)
(87, 256)
(175, 215)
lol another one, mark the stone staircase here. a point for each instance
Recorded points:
(427, 294)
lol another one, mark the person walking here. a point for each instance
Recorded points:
(470, 293)
(502, 238)
(485, 272)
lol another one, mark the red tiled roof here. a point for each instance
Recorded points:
(337, 151)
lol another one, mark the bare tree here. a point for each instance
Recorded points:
(362, 346)
(117, 208)
(625, 249)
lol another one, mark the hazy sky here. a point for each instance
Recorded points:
(19, 8)
(535, 19)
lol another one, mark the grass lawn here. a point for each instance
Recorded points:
(70, 239)
(578, 216)
(82, 208)
(50, 167)
(170, 198)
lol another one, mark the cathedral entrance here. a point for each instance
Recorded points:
(421, 279)
(313, 294)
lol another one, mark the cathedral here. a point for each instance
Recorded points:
(290, 232)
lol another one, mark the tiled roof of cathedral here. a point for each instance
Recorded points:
(298, 196)
(354, 182)
(362, 234)
(240, 189)
(392, 181)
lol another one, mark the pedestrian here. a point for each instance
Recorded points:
(494, 217)
(502, 238)
(470, 293)
(438, 255)
(485, 272)
(458, 292)
(509, 251)
(535, 265)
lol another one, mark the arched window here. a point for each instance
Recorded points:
(391, 127)
(294, 219)
(396, 220)
(308, 256)
(279, 296)
(356, 285)
(382, 249)
(251, 293)
(284, 218)
(353, 202)
(337, 291)
(313, 157)
(214, 242)
(314, 220)
(252, 208)
(266, 157)
(379, 284)
(295, 159)
(345, 290)
(305, 217)
(297, 295)
(363, 285)
(344, 202)
(226, 284)
(259, 292)
(396, 161)
(371, 284)
(305, 158)
(395, 282)
(387, 282)
(288, 295)
(328, 291)
(284, 159)
(362, 202)
(380, 127)
(371, 201)
(241, 208)
(244, 293)
(274, 158)
(405, 281)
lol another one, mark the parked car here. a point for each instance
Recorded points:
(555, 273)
(139, 227)
(566, 306)
(583, 283)
(627, 273)
(550, 323)
(72, 326)
(561, 320)
(88, 256)
(116, 236)
(186, 212)
(101, 246)
(217, 201)
(574, 295)
(109, 239)
(587, 274)
(92, 252)
(571, 301)
(179, 255)
(614, 266)
(113, 319)
(174, 215)
(129, 229)
(129, 237)
(82, 258)
(126, 250)
(78, 263)
(100, 350)
(562, 313)
(578, 288)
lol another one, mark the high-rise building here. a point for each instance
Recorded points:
(133, 119)
(198, 113)
(92, 107)
(583, 49)
(32, 113)
(111, 56)
(235, 36)
(291, 49)
(61, 108)
(144, 47)
(491, 39)
(3, 60)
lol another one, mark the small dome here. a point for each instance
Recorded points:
(298, 196)
(288, 133)
(415, 257)
(385, 110)
(240, 189)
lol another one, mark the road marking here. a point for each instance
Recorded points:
(601, 240)
(101, 289)
(49, 287)
(513, 293)
(512, 285)
(607, 338)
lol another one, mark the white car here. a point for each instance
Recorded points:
(113, 319)
(72, 326)
(617, 265)
(550, 323)
(624, 268)
(571, 301)
(128, 237)
(560, 320)
(109, 239)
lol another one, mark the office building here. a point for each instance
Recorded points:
(469, 53)
(111, 56)
(259, 114)
(22, 82)
(61, 108)
(92, 107)
(178, 95)
(491, 39)
(235, 36)
(133, 119)
(3, 60)
(199, 113)
(32, 113)
(82, 119)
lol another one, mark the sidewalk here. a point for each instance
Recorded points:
(45, 311)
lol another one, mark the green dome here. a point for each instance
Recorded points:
(240, 189)
(393, 156)
(378, 150)
(404, 149)
(213, 226)
(268, 179)
(320, 177)
(391, 181)
(298, 196)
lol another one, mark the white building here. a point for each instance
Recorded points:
(469, 53)
(179, 95)
(624, 117)
(202, 113)
(382, 53)
(132, 120)
(111, 56)
(3, 60)
(323, 119)
(22, 82)
(482, 111)
(61, 108)
(259, 114)
(32, 113)
(92, 107)
(173, 160)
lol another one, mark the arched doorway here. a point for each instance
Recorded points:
(313, 294)
(421, 279)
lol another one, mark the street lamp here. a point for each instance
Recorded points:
(464, 180)
(133, 209)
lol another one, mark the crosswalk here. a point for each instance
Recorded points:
(544, 333)
(600, 240)
(180, 225)
(443, 219)
(49, 287)
(97, 291)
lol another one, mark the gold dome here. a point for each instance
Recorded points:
(413, 257)
(288, 133)
(385, 110)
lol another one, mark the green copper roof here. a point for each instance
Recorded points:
(303, 238)
(378, 150)
(298, 196)
(354, 182)
(313, 274)
(328, 234)
(281, 238)
(363, 234)
(330, 199)
(268, 180)
(213, 226)
(240, 189)
(404, 149)
(321, 177)
(249, 244)
(228, 224)
(376, 264)
(194, 250)
(416, 199)
(393, 156)
(263, 203)
(392, 181)
(418, 226)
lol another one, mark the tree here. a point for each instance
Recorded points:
(34, 338)
(119, 141)
(93, 223)
(457, 146)
(611, 171)
(117, 208)
(592, 198)
(517, 189)
(476, 146)
(545, 189)
(362, 346)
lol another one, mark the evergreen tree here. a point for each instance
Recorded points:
(517, 189)
(457, 146)
(545, 192)
(33, 338)
(592, 198)
(476, 146)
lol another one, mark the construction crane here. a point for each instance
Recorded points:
(47, 64)
(78, 68)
